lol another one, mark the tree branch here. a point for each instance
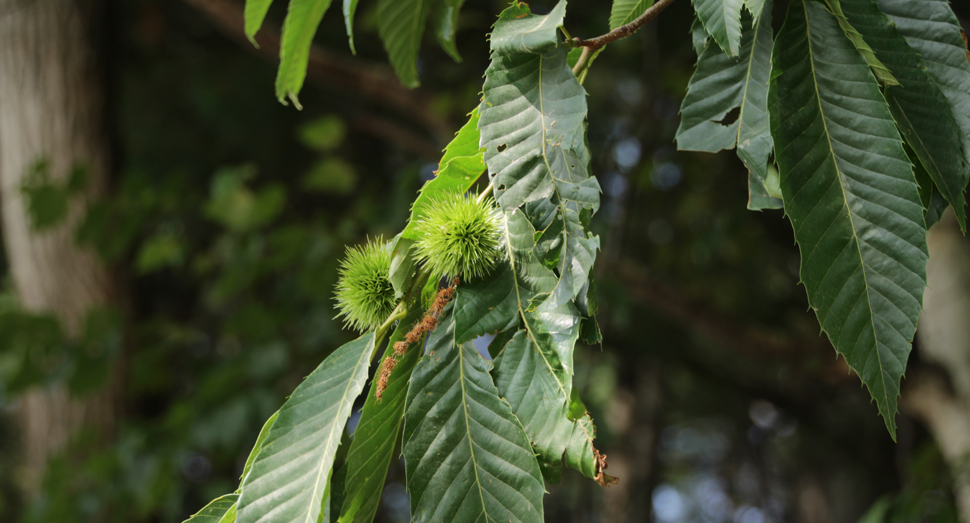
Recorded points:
(625, 30)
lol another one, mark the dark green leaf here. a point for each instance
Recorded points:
(301, 445)
(881, 72)
(532, 125)
(486, 306)
(931, 28)
(727, 105)
(530, 378)
(626, 11)
(722, 20)
(863, 254)
(401, 26)
(371, 451)
(919, 107)
(467, 457)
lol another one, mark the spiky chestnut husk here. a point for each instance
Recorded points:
(459, 236)
(364, 294)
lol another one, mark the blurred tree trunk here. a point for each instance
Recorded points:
(941, 397)
(52, 109)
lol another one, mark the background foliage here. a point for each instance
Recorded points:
(713, 394)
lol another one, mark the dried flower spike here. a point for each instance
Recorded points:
(364, 294)
(459, 236)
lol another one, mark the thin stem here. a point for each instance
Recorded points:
(583, 61)
(400, 312)
(626, 30)
(485, 193)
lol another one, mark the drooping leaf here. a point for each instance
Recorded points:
(302, 19)
(764, 193)
(722, 20)
(532, 380)
(301, 445)
(216, 510)
(401, 26)
(532, 127)
(445, 15)
(372, 449)
(350, 9)
(467, 457)
(921, 111)
(931, 28)
(519, 290)
(254, 14)
(882, 73)
(727, 105)
(863, 254)
(533, 109)
(626, 11)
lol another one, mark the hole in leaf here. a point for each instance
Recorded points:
(730, 117)
(502, 147)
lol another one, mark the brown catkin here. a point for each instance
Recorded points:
(420, 329)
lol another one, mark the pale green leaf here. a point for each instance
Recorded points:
(254, 14)
(931, 28)
(401, 26)
(403, 265)
(459, 169)
(883, 74)
(918, 105)
(302, 19)
(349, 10)
(216, 510)
(722, 20)
(626, 11)
(466, 455)
(372, 449)
(727, 105)
(840, 157)
(518, 31)
(301, 445)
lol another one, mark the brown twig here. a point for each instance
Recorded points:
(625, 30)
